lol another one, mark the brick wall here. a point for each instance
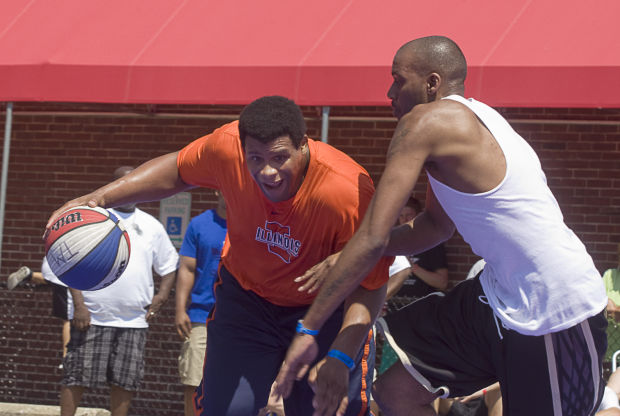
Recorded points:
(59, 151)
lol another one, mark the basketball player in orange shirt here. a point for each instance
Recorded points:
(291, 202)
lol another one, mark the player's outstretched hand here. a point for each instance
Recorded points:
(313, 278)
(329, 380)
(301, 353)
(92, 200)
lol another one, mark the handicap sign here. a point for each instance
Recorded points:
(174, 214)
(173, 227)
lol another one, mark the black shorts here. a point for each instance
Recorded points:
(59, 301)
(454, 345)
(247, 339)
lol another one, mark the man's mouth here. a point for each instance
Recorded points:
(394, 109)
(272, 186)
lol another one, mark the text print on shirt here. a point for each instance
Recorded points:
(278, 239)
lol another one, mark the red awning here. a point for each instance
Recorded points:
(521, 53)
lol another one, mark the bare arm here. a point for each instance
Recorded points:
(437, 279)
(396, 282)
(185, 283)
(329, 378)
(361, 309)
(429, 228)
(406, 157)
(161, 297)
(153, 180)
(81, 314)
(411, 146)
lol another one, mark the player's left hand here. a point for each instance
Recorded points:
(313, 278)
(300, 355)
(329, 380)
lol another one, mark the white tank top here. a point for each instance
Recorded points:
(538, 277)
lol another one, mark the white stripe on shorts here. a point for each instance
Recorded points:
(553, 376)
(596, 377)
(404, 359)
(553, 373)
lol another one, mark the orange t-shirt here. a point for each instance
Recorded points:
(270, 244)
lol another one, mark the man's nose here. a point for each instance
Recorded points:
(268, 170)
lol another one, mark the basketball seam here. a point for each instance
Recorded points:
(120, 238)
(92, 249)
(83, 225)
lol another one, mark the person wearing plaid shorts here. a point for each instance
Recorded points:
(109, 326)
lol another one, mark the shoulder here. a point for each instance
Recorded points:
(432, 130)
(224, 139)
(440, 118)
(200, 219)
(146, 219)
(339, 174)
(337, 163)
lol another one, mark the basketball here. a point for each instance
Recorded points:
(87, 248)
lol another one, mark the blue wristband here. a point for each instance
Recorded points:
(339, 355)
(301, 329)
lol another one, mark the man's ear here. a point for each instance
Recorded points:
(433, 82)
(304, 141)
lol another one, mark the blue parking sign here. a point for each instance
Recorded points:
(173, 226)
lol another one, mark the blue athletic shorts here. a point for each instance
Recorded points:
(247, 339)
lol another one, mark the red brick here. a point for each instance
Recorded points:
(55, 158)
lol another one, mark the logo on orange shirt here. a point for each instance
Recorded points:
(278, 239)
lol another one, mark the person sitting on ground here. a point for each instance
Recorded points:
(429, 269)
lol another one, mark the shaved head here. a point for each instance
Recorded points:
(436, 54)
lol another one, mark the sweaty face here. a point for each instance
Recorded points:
(406, 215)
(408, 88)
(277, 166)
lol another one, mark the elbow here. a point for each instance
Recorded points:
(446, 231)
(443, 285)
(375, 244)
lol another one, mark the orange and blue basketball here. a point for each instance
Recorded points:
(87, 248)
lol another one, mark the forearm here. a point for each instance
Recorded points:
(78, 298)
(167, 281)
(361, 309)
(153, 180)
(418, 235)
(185, 282)
(396, 282)
(355, 262)
(437, 279)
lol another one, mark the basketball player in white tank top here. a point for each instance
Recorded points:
(532, 321)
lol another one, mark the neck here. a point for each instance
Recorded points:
(220, 211)
(126, 209)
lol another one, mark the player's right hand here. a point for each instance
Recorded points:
(92, 200)
(81, 317)
(184, 325)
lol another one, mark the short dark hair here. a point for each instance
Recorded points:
(415, 204)
(268, 118)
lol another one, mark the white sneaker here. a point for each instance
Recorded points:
(16, 278)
